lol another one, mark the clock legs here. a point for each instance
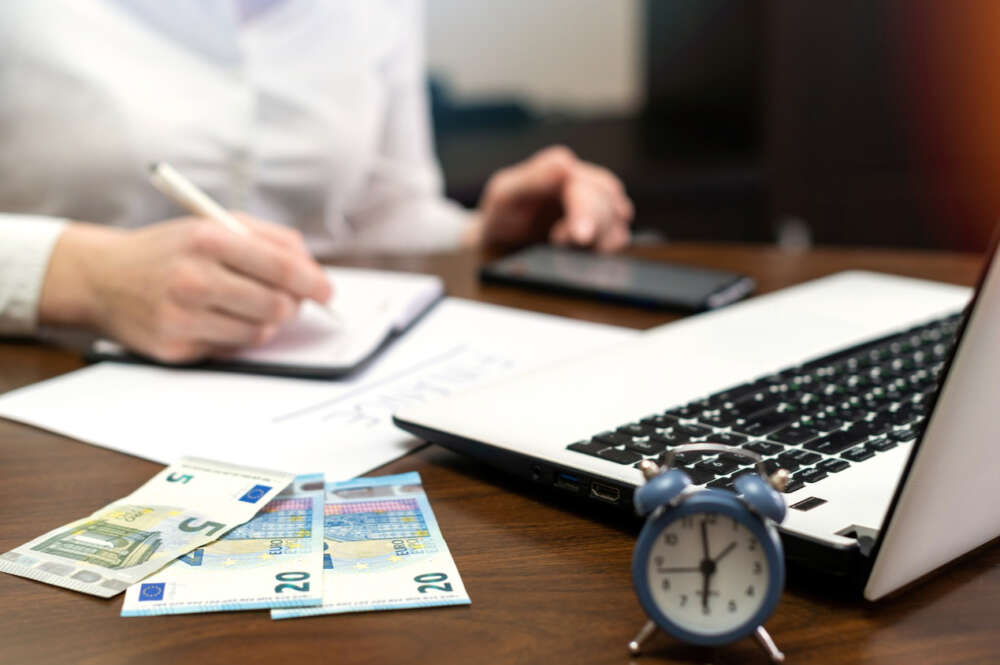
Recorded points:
(635, 646)
(767, 644)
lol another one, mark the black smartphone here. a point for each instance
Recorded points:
(653, 284)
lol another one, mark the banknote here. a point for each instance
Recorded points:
(274, 560)
(182, 508)
(383, 550)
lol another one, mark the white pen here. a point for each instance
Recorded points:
(185, 193)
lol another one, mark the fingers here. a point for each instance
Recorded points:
(272, 264)
(597, 210)
(541, 175)
(283, 236)
(210, 285)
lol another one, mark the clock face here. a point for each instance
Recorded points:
(708, 573)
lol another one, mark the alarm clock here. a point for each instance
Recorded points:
(708, 567)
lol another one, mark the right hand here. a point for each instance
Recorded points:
(182, 289)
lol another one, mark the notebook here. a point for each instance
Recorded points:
(372, 307)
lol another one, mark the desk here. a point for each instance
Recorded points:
(547, 583)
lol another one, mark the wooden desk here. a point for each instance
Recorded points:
(547, 583)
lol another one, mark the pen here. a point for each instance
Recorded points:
(185, 193)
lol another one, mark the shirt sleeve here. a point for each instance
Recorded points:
(401, 205)
(26, 243)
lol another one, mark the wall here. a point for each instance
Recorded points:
(576, 55)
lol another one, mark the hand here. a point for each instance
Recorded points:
(555, 195)
(181, 289)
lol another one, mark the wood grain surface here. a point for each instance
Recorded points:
(549, 583)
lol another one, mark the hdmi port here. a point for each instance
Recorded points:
(605, 493)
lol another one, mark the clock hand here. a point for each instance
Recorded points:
(729, 548)
(692, 569)
(707, 566)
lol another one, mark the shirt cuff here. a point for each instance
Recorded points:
(26, 244)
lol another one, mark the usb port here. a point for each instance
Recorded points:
(605, 493)
(565, 481)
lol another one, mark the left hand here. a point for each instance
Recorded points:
(555, 195)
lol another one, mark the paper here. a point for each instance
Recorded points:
(369, 306)
(342, 428)
(185, 506)
(274, 560)
(383, 550)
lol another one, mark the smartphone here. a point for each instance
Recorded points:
(652, 284)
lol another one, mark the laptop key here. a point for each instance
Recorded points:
(646, 446)
(903, 435)
(794, 435)
(858, 454)
(659, 420)
(835, 442)
(724, 483)
(762, 424)
(636, 429)
(614, 438)
(620, 456)
(881, 444)
(697, 476)
(833, 465)
(717, 466)
(810, 475)
(764, 447)
(799, 456)
(692, 431)
(588, 447)
(728, 438)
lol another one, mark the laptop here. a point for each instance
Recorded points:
(878, 392)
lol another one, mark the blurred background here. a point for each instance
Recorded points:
(855, 122)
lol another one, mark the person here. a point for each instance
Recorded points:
(310, 116)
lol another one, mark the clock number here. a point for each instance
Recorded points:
(752, 544)
(684, 599)
(665, 584)
(292, 577)
(732, 606)
(428, 580)
(670, 538)
(687, 522)
(757, 568)
(658, 560)
(711, 518)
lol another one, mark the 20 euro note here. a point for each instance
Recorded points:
(274, 560)
(383, 550)
(185, 506)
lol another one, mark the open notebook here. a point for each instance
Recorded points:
(372, 306)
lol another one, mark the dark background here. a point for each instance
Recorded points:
(764, 120)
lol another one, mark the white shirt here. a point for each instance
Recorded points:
(311, 113)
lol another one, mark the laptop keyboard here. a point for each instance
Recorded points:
(814, 419)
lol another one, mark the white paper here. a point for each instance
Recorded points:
(369, 305)
(342, 428)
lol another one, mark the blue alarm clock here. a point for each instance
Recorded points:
(708, 566)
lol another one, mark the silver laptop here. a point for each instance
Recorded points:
(880, 393)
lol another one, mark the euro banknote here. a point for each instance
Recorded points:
(274, 560)
(185, 506)
(383, 550)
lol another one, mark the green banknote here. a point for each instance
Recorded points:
(185, 506)
(274, 560)
(383, 550)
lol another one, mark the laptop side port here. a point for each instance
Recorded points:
(568, 483)
(605, 493)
